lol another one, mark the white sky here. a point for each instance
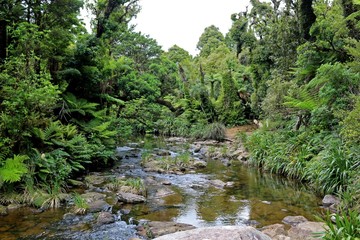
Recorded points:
(182, 22)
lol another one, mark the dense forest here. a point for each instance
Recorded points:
(67, 97)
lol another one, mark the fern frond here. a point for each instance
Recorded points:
(13, 169)
(79, 105)
(112, 99)
(304, 101)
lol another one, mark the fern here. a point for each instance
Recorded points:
(305, 101)
(78, 105)
(13, 169)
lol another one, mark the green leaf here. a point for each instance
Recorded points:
(13, 169)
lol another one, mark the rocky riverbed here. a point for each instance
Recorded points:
(162, 186)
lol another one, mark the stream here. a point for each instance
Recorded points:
(225, 192)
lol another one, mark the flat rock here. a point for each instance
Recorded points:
(294, 220)
(306, 230)
(95, 180)
(218, 232)
(93, 196)
(162, 228)
(99, 206)
(130, 197)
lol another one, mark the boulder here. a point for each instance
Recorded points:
(3, 210)
(294, 220)
(274, 230)
(306, 231)
(329, 200)
(157, 228)
(218, 232)
(130, 197)
(105, 218)
(99, 206)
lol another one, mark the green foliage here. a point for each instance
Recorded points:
(229, 106)
(12, 169)
(346, 226)
(215, 131)
(80, 203)
(351, 125)
(332, 169)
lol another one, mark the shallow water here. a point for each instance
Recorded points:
(254, 198)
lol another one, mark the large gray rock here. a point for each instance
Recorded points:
(329, 200)
(130, 197)
(306, 230)
(218, 232)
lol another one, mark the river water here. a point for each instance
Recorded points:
(252, 198)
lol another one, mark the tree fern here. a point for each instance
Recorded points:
(13, 169)
(77, 105)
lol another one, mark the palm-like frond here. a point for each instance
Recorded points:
(304, 101)
(77, 105)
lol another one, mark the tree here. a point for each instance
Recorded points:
(209, 40)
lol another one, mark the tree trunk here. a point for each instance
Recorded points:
(308, 17)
